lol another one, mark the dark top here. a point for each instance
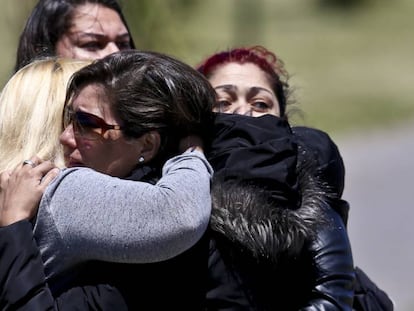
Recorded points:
(272, 249)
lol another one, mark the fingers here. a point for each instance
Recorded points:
(29, 162)
(36, 166)
(48, 178)
(22, 189)
(4, 178)
(42, 174)
(42, 169)
(32, 162)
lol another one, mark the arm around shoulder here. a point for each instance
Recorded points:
(147, 222)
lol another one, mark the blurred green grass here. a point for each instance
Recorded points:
(350, 69)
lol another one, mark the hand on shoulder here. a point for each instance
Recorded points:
(21, 189)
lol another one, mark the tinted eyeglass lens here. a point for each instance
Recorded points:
(87, 126)
(84, 124)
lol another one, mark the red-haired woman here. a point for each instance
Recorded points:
(278, 243)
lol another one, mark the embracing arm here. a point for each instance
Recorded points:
(95, 216)
(334, 286)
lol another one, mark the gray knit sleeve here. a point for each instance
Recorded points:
(86, 215)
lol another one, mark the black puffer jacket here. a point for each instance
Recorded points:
(277, 245)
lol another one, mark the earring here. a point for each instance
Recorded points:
(141, 159)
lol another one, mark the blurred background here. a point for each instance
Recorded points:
(352, 70)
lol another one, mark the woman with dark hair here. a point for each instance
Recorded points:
(81, 29)
(278, 245)
(141, 117)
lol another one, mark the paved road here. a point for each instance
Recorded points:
(380, 189)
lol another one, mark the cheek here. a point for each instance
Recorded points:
(275, 111)
(64, 48)
(90, 151)
(72, 51)
(259, 114)
(82, 54)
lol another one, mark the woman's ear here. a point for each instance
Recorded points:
(150, 143)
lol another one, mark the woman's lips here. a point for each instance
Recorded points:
(73, 162)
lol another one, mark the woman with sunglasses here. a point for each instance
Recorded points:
(129, 115)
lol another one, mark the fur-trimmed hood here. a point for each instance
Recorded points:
(265, 196)
(245, 215)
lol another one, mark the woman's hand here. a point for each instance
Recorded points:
(22, 189)
(192, 142)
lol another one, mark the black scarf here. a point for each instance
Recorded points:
(261, 151)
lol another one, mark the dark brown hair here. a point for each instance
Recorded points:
(152, 91)
(49, 20)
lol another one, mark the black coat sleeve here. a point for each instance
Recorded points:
(335, 275)
(22, 280)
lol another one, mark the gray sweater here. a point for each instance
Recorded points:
(85, 215)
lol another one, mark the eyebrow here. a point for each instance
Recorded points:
(252, 90)
(98, 35)
(226, 87)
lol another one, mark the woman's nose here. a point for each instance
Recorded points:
(67, 138)
(110, 48)
(242, 108)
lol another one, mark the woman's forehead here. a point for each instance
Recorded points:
(97, 19)
(238, 74)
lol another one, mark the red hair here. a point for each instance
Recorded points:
(261, 57)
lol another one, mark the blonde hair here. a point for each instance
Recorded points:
(31, 108)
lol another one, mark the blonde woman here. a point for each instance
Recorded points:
(31, 106)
